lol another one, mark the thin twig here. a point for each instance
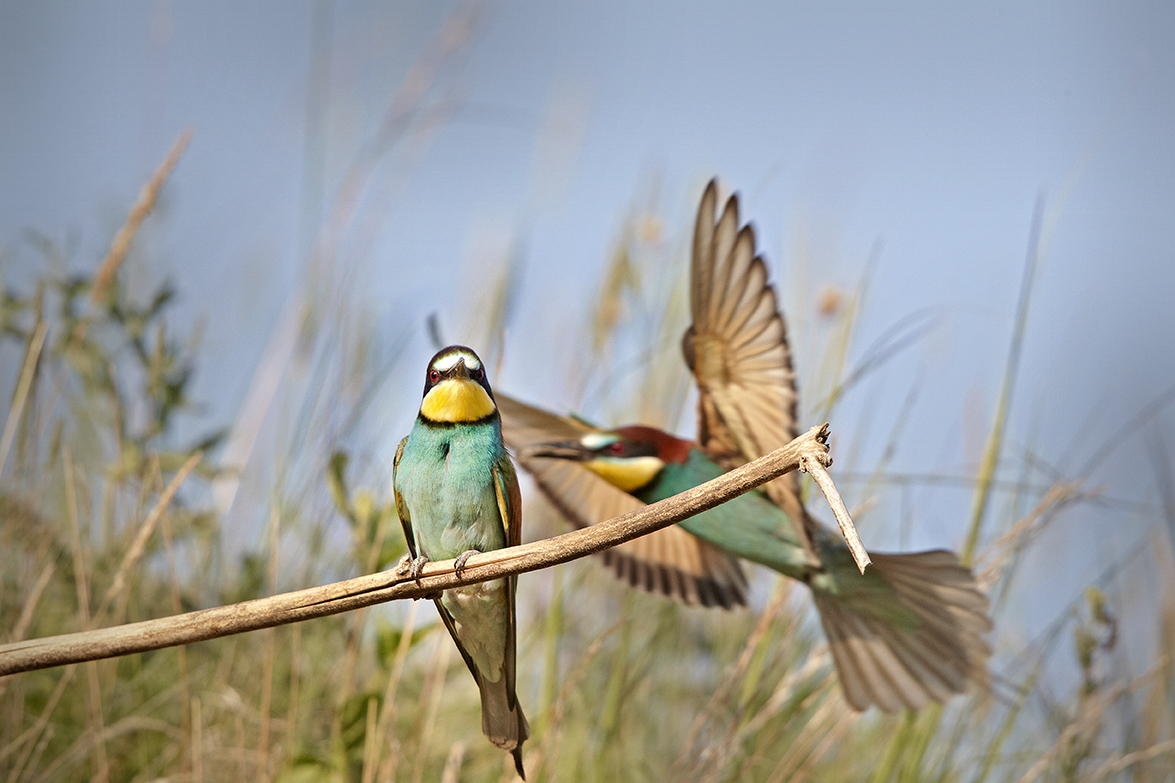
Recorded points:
(815, 468)
(810, 448)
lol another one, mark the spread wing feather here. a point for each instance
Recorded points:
(737, 349)
(897, 668)
(669, 561)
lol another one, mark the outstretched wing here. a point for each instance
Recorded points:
(738, 352)
(669, 561)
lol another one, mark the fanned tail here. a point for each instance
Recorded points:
(927, 655)
(502, 720)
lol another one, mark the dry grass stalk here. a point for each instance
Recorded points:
(1091, 715)
(370, 741)
(94, 691)
(785, 691)
(692, 749)
(197, 741)
(553, 736)
(1022, 533)
(821, 722)
(839, 729)
(814, 729)
(991, 451)
(30, 605)
(295, 691)
(181, 651)
(451, 772)
(139, 544)
(121, 243)
(23, 384)
(434, 685)
(1118, 762)
(32, 735)
(270, 653)
(387, 719)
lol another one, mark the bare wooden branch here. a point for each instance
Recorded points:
(810, 449)
(815, 466)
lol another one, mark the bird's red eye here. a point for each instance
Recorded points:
(477, 374)
(617, 448)
(433, 376)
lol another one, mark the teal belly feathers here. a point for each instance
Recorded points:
(454, 507)
(445, 477)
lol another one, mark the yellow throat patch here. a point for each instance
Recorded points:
(456, 400)
(628, 475)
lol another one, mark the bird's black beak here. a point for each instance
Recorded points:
(461, 370)
(563, 449)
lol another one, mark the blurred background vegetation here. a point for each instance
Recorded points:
(620, 686)
(127, 494)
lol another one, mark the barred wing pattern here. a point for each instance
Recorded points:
(669, 561)
(893, 668)
(738, 352)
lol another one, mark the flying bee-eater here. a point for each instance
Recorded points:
(907, 632)
(457, 494)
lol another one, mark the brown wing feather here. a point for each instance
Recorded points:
(669, 561)
(894, 668)
(737, 349)
(510, 509)
(401, 507)
(509, 500)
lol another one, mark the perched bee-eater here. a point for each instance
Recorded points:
(457, 494)
(907, 632)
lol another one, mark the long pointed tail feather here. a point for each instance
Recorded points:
(882, 663)
(502, 720)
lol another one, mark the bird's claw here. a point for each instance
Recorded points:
(459, 563)
(416, 566)
(403, 565)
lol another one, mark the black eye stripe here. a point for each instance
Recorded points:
(435, 376)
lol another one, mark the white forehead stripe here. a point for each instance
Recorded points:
(449, 361)
(597, 440)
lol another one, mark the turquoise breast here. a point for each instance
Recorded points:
(446, 479)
